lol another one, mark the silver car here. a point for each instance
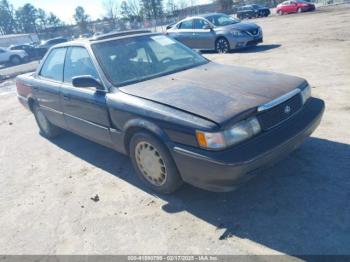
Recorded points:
(217, 31)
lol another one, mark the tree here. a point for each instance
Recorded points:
(82, 19)
(152, 9)
(131, 11)
(171, 8)
(26, 18)
(7, 18)
(54, 21)
(111, 9)
(42, 19)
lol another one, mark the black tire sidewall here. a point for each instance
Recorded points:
(174, 180)
(15, 57)
(228, 44)
(52, 131)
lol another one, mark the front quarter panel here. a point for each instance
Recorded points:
(169, 124)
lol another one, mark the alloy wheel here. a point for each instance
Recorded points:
(222, 46)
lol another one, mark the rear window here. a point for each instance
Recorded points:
(53, 65)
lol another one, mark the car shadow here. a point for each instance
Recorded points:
(258, 48)
(249, 49)
(298, 207)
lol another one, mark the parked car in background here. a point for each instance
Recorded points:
(33, 52)
(180, 117)
(217, 31)
(51, 42)
(250, 11)
(13, 57)
(298, 6)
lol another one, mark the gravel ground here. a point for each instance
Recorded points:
(13, 71)
(300, 206)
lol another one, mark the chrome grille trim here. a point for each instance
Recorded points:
(278, 100)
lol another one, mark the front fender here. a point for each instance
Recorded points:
(134, 125)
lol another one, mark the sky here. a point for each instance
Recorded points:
(64, 9)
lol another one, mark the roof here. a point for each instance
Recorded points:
(105, 37)
(210, 14)
(119, 34)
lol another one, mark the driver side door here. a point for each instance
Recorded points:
(203, 38)
(85, 109)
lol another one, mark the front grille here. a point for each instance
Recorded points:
(280, 113)
(253, 32)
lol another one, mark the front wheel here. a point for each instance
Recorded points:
(15, 60)
(222, 46)
(154, 164)
(299, 10)
(47, 129)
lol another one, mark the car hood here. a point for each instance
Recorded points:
(239, 26)
(18, 52)
(216, 92)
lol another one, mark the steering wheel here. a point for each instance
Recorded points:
(166, 60)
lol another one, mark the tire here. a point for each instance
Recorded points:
(15, 60)
(47, 129)
(222, 46)
(280, 12)
(154, 164)
(299, 10)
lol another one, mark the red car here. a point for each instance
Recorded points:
(298, 6)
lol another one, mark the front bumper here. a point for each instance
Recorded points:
(245, 41)
(225, 170)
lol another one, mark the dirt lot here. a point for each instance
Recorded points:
(300, 206)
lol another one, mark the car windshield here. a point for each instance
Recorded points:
(136, 59)
(222, 20)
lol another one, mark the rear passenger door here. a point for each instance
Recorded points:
(85, 109)
(46, 86)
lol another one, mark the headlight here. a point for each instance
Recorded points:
(236, 134)
(237, 33)
(306, 93)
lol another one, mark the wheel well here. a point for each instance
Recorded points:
(31, 103)
(220, 37)
(135, 129)
(12, 56)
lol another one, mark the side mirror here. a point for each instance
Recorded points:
(206, 26)
(87, 81)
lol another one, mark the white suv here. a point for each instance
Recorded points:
(14, 57)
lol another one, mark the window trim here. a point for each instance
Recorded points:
(92, 62)
(202, 19)
(191, 19)
(44, 61)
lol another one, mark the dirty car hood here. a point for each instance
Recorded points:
(214, 91)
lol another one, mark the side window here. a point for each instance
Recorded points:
(53, 66)
(78, 63)
(199, 23)
(186, 24)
